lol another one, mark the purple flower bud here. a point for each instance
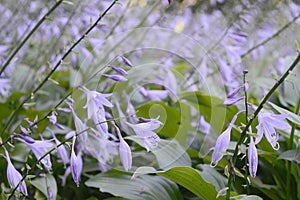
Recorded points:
(246, 87)
(221, 146)
(126, 61)
(76, 164)
(170, 1)
(231, 101)
(14, 177)
(117, 78)
(252, 158)
(233, 93)
(119, 70)
(125, 152)
(223, 142)
(61, 150)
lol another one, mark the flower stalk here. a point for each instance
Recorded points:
(259, 108)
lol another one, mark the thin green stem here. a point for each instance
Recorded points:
(12, 55)
(259, 108)
(246, 120)
(56, 66)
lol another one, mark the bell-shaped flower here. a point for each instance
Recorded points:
(75, 164)
(80, 126)
(14, 177)
(94, 101)
(125, 151)
(145, 132)
(252, 158)
(267, 122)
(223, 142)
(39, 149)
(61, 150)
(53, 120)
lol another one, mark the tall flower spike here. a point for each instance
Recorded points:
(267, 122)
(252, 158)
(76, 164)
(223, 142)
(14, 177)
(125, 151)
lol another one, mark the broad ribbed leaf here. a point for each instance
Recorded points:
(191, 180)
(144, 187)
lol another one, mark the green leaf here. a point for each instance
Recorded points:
(46, 183)
(291, 155)
(212, 108)
(292, 116)
(144, 187)
(168, 153)
(142, 171)
(191, 180)
(210, 175)
(246, 197)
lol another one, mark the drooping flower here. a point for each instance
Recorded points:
(252, 158)
(267, 122)
(61, 150)
(125, 151)
(53, 120)
(39, 149)
(117, 78)
(223, 142)
(14, 177)
(145, 132)
(154, 95)
(76, 164)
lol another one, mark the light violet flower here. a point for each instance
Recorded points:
(204, 125)
(267, 122)
(252, 158)
(53, 120)
(223, 142)
(61, 150)
(39, 149)
(145, 132)
(117, 78)
(119, 70)
(14, 177)
(125, 151)
(126, 61)
(95, 100)
(76, 164)
(154, 95)
(231, 101)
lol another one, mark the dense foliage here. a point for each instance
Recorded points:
(148, 99)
